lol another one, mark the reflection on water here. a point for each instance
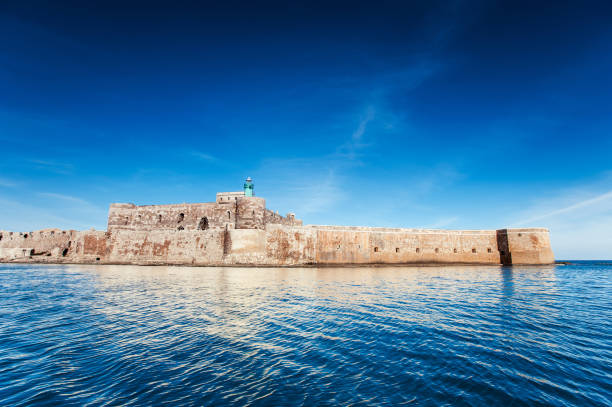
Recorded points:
(277, 336)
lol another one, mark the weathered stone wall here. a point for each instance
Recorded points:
(172, 217)
(392, 246)
(54, 246)
(166, 247)
(250, 212)
(527, 246)
(280, 245)
(46, 243)
(273, 218)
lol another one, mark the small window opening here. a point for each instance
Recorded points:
(139, 217)
(65, 252)
(437, 250)
(127, 220)
(489, 250)
(97, 259)
(376, 249)
(418, 250)
(181, 217)
(397, 250)
(229, 215)
(203, 225)
(69, 243)
(159, 218)
(520, 234)
(454, 250)
(52, 233)
(253, 213)
(0, 236)
(338, 247)
(503, 253)
(25, 236)
(473, 250)
(181, 228)
(32, 252)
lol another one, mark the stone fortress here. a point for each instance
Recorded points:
(238, 229)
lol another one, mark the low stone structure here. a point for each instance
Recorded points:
(237, 229)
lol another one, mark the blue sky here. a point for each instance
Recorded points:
(455, 115)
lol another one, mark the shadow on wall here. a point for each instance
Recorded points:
(505, 257)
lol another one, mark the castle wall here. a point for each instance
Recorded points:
(273, 218)
(527, 246)
(280, 245)
(250, 212)
(54, 246)
(172, 217)
(337, 245)
(166, 247)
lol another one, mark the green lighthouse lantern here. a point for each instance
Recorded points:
(248, 187)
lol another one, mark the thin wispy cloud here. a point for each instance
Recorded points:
(7, 183)
(361, 128)
(203, 156)
(579, 219)
(53, 166)
(561, 211)
(62, 197)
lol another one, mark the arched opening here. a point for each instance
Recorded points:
(65, 252)
(229, 215)
(181, 217)
(203, 225)
(25, 236)
(159, 218)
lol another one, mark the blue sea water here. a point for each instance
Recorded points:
(129, 335)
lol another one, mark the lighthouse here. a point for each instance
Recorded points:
(248, 187)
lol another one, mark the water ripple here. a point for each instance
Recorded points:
(123, 335)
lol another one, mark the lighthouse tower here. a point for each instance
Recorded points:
(248, 187)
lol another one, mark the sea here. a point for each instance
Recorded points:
(79, 335)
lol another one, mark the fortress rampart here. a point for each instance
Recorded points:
(238, 230)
